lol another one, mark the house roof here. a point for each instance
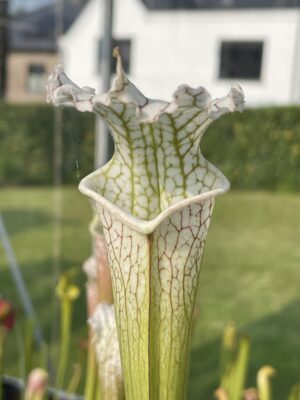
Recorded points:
(219, 4)
(35, 30)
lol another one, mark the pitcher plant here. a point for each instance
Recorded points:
(155, 198)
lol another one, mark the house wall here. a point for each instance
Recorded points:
(17, 75)
(174, 47)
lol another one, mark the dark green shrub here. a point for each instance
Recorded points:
(258, 149)
(26, 144)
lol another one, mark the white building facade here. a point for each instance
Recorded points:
(258, 48)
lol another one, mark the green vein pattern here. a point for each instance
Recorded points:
(157, 163)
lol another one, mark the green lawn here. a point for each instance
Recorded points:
(251, 274)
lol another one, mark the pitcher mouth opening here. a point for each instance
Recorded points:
(157, 167)
(141, 225)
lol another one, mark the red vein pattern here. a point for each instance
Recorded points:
(155, 198)
(160, 272)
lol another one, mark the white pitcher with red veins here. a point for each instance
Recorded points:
(155, 198)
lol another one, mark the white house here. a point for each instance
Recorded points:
(259, 47)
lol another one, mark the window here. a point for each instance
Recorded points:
(241, 60)
(125, 48)
(36, 79)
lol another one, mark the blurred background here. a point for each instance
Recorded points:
(251, 268)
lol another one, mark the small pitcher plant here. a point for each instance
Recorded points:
(67, 293)
(36, 385)
(155, 198)
(103, 338)
(7, 321)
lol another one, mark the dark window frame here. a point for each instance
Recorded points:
(125, 46)
(241, 59)
(37, 72)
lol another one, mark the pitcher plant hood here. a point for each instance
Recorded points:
(157, 166)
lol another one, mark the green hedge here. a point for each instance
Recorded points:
(26, 144)
(258, 149)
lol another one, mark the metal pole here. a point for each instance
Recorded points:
(57, 179)
(103, 141)
(3, 46)
(19, 281)
(295, 81)
(57, 154)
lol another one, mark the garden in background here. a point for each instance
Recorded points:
(250, 271)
